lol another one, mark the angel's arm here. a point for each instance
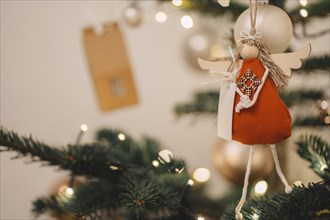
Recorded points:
(288, 61)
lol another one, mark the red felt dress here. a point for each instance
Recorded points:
(268, 121)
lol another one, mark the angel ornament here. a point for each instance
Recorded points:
(250, 109)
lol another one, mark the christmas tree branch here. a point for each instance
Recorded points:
(311, 202)
(309, 122)
(27, 146)
(317, 152)
(291, 98)
(125, 176)
(89, 159)
(204, 103)
(315, 63)
(88, 198)
(111, 154)
(138, 194)
(51, 205)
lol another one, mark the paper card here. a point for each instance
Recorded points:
(110, 67)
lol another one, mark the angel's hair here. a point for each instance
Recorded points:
(279, 78)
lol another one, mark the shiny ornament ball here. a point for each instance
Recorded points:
(230, 160)
(202, 44)
(274, 24)
(133, 15)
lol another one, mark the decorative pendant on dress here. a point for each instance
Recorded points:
(248, 82)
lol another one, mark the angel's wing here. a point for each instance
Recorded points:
(288, 61)
(218, 67)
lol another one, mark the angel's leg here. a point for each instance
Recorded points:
(288, 188)
(238, 213)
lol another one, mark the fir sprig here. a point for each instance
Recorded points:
(120, 176)
(309, 121)
(291, 98)
(139, 194)
(303, 203)
(149, 192)
(317, 152)
(91, 197)
(89, 159)
(49, 205)
(315, 63)
(27, 146)
(204, 103)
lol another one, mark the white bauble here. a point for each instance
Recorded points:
(274, 24)
(202, 43)
(133, 15)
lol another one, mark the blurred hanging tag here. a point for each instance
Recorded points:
(110, 67)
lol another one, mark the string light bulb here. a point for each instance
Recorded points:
(323, 167)
(161, 17)
(69, 191)
(112, 167)
(201, 175)
(260, 188)
(190, 182)
(177, 3)
(65, 192)
(84, 127)
(155, 163)
(179, 170)
(303, 2)
(121, 136)
(303, 12)
(187, 21)
(255, 216)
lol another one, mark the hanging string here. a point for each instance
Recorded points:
(276, 73)
(253, 16)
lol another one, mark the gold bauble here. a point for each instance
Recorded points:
(230, 160)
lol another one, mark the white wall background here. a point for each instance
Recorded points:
(47, 90)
